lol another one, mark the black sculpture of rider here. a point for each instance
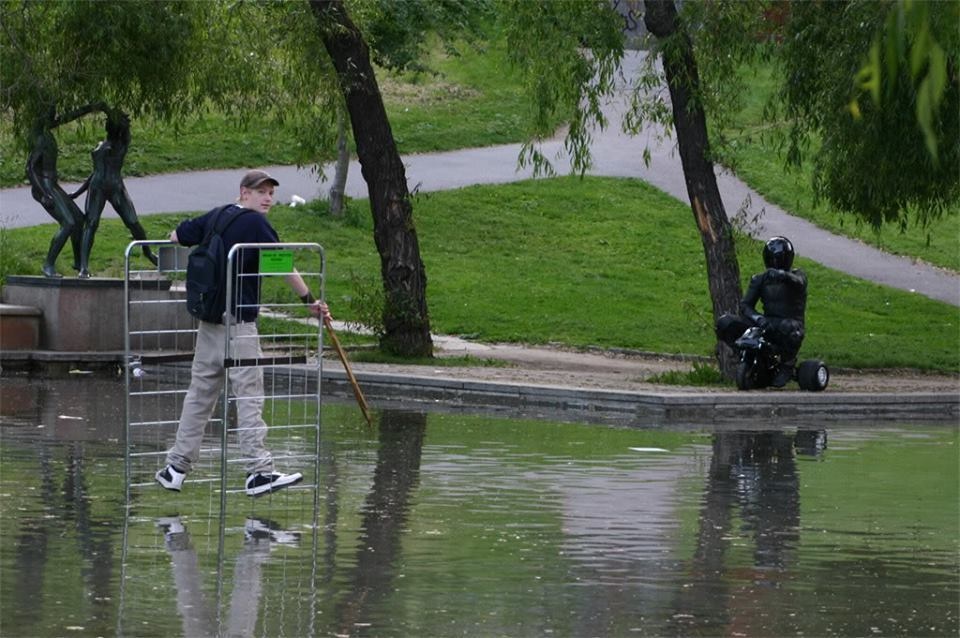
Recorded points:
(783, 292)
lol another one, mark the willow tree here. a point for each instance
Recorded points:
(255, 61)
(878, 84)
(572, 51)
(690, 122)
(406, 318)
(397, 32)
(76, 57)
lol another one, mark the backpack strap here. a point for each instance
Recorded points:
(212, 227)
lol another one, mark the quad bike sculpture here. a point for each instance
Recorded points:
(760, 363)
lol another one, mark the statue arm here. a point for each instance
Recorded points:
(78, 113)
(796, 278)
(83, 187)
(33, 162)
(125, 133)
(748, 305)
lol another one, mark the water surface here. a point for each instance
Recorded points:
(455, 525)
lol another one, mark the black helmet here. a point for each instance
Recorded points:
(778, 253)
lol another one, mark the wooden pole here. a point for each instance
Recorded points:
(346, 366)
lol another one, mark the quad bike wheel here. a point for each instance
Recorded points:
(746, 376)
(813, 375)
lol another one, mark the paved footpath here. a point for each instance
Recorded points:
(615, 154)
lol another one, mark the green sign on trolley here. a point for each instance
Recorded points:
(276, 261)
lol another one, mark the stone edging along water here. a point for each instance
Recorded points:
(643, 408)
(649, 408)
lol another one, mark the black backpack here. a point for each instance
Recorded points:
(206, 270)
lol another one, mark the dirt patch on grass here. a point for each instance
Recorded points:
(595, 369)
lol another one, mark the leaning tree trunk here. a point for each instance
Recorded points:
(339, 186)
(716, 233)
(406, 320)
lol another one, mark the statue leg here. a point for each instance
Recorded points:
(70, 219)
(94, 208)
(56, 245)
(139, 233)
(76, 242)
(73, 211)
(59, 240)
(122, 203)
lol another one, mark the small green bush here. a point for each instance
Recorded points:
(702, 374)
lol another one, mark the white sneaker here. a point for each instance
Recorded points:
(256, 529)
(264, 483)
(175, 535)
(171, 478)
(171, 525)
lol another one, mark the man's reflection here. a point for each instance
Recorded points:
(197, 612)
(753, 474)
(385, 512)
(384, 518)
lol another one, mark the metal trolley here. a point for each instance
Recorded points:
(212, 509)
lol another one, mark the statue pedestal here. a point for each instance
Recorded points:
(19, 327)
(87, 315)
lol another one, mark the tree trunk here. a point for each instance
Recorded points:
(339, 185)
(406, 320)
(716, 233)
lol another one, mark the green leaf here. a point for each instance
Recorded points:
(871, 73)
(937, 73)
(918, 51)
(925, 111)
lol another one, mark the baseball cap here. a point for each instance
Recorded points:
(254, 178)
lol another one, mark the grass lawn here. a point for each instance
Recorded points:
(604, 262)
(599, 261)
(475, 100)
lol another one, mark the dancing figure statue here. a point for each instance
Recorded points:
(42, 174)
(105, 184)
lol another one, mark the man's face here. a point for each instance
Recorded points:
(259, 199)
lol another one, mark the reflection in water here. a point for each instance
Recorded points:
(30, 551)
(199, 613)
(59, 429)
(267, 543)
(454, 525)
(384, 516)
(752, 480)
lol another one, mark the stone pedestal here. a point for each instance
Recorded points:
(87, 315)
(19, 327)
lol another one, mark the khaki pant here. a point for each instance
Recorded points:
(206, 388)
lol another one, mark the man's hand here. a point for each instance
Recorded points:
(320, 310)
(316, 307)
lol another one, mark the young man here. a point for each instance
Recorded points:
(783, 292)
(207, 373)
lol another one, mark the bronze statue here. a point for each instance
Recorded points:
(42, 173)
(105, 184)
